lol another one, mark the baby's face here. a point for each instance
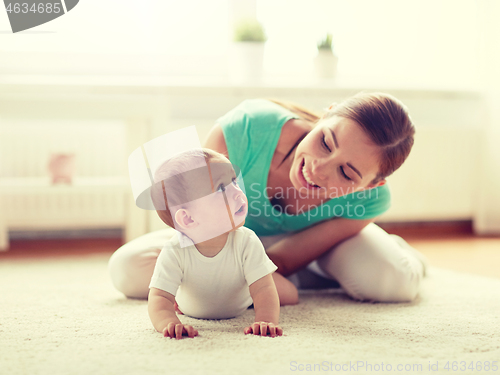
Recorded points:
(223, 210)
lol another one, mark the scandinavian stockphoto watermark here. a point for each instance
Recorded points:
(342, 208)
(170, 174)
(26, 14)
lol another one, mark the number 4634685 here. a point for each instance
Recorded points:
(35, 8)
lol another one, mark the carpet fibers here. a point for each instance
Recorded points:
(62, 316)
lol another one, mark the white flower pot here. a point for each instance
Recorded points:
(325, 65)
(246, 59)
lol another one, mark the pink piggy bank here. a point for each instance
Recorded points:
(62, 168)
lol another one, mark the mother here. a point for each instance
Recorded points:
(314, 185)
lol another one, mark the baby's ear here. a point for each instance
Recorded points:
(183, 219)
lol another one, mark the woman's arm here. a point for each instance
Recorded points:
(215, 140)
(298, 250)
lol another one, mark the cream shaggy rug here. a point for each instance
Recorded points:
(62, 316)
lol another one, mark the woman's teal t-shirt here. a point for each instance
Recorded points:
(252, 131)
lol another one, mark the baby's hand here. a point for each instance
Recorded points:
(264, 329)
(178, 330)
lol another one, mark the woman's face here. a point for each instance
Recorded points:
(336, 158)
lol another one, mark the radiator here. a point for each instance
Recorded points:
(98, 195)
(88, 202)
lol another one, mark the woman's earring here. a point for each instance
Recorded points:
(328, 110)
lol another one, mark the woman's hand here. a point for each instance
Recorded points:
(298, 250)
(264, 329)
(178, 330)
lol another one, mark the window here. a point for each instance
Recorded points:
(417, 43)
(123, 37)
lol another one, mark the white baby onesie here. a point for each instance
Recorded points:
(217, 287)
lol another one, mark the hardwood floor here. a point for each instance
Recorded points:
(452, 245)
(44, 248)
(477, 255)
(446, 246)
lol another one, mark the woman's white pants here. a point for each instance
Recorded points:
(370, 266)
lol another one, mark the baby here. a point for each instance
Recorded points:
(214, 268)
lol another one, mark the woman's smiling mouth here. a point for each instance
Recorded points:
(309, 182)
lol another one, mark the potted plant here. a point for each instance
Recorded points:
(247, 53)
(325, 63)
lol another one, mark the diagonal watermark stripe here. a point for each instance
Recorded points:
(26, 14)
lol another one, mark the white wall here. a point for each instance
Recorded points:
(393, 43)
(488, 220)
